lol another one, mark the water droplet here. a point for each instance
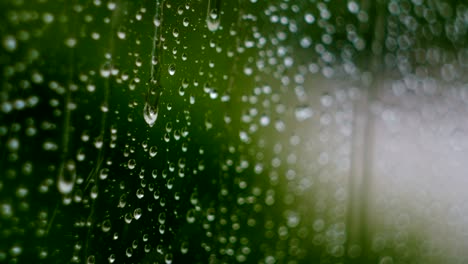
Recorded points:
(303, 113)
(185, 22)
(9, 43)
(111, 5)
(106, 225)
(71, 42)
(104, 173)
(150, 114)
(129, 252)
(137, 213)
(122, 200)
(190, 216)
(131, 164)
(105, 70)
(67, 177)
(13, 144)
(353, 7)
(213, 18)
(386, 260)
(210, 214)
(171, 69)
(16, 250)
(184, 247)
(264, 120)
(162, 218)
(140, 193)
(309, 18)
(94, 192)
(168, 258)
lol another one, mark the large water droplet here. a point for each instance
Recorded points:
(150, 113)
(213, 15)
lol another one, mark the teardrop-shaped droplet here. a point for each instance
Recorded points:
(213, 17)
(150, 113)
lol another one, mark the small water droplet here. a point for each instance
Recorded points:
(71, 42)
(168, 258)
(303, 113)
(9, 43)
(162, 218)
(137, 213)
(111, 258)
(210, 214)
(190, 216)
(106, 225)
(184, 247)
(140, 193)
(104, 173)
(131, 164)
(171, 69)
(67, 176)
(94, 192)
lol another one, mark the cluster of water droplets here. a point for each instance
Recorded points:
(225, 131)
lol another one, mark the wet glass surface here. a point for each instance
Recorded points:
(212, 131)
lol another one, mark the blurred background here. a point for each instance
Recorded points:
(211, 131)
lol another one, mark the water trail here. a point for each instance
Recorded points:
(151, 108)
(65, 176)
(241, 32)
(358, 222)
(93, 175)
(213, 15)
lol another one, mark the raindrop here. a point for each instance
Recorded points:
(190, 216)
(168, 258)
(140, 193)
(171, 69)
(71, 42)
(9, 43)
(353, 7)
(150, 114)
(129, 252)
(184, 248)
(303, 113)
(131, 164)
(106, 225)
(122, 201)
(104, 173)
(94, 192)
(386, 260)
(185, 22)
(162, 218)
(264, 120)
(213, 17)
(128, 218)
(67, 177)
(210, 214)
(137, 213)
(309, 18)
(13, 144)
(121, 34)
